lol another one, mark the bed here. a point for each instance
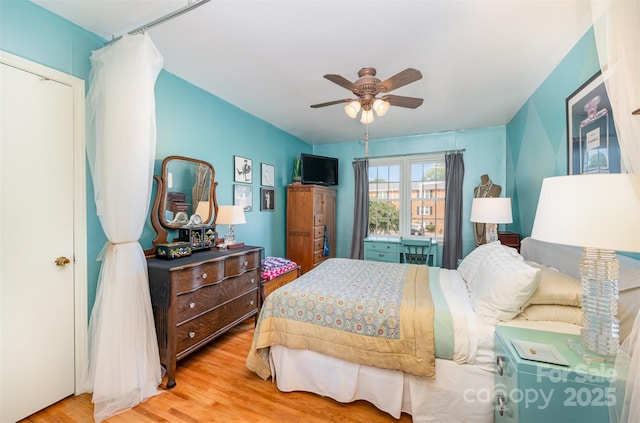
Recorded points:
(438, 371)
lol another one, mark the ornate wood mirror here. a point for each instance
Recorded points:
(186, 195)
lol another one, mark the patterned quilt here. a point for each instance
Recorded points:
(376, 314)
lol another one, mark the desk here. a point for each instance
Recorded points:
(388, 249)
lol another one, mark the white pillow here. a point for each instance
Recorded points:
(469, 266)
(501, 286)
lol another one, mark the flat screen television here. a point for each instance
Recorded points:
(319, 170)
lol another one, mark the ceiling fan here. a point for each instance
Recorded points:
(367, 87)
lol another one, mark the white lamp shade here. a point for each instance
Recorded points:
(381, 107)
(352, 109)
(491, 210)
(230, 215)
(596, 211)
(367, 116)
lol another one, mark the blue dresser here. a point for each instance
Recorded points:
(528, 391)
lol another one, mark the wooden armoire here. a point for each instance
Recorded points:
(311, 224)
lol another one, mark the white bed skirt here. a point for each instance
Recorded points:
(394, 392)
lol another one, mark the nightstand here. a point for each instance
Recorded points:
(510, 239)
(531, 392)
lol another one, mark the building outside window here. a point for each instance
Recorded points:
(407, 196)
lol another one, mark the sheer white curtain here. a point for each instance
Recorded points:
(616, 26)
(124, 367)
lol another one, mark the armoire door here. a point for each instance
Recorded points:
(37, 350)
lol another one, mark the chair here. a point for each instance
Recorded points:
(420, 251)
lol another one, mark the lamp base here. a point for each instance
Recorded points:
(492, 232)
(600, 331)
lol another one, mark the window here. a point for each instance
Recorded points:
(407, 196)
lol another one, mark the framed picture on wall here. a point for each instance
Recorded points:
(242, 169)
(243, 196)
(267, 199)
(267, 175)
(592, 142)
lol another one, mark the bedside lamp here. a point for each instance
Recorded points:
(601, 214)
(491, 211)
(230, 215)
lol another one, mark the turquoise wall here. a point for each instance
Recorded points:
(537, 134)
(194, 123)
(190, 122)
(485, 152)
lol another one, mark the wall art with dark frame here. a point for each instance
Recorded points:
(243, 196)
(242, 169)
(267, 199)
(592, 142)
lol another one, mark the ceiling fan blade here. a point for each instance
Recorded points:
(398, 80)
(331, 103)
(343, 82)
(402, 101)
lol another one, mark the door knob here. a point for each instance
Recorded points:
(62, 261)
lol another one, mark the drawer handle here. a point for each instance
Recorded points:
(204, 276)
(380, 255)
(253, 281)
(500, 365)
(245, 263)
(501, 404)
(192, 305)
(251, 302)
(192, 334)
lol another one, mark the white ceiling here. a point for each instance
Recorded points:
(480, 59)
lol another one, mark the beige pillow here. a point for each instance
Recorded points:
(555, 288)
(554, 313)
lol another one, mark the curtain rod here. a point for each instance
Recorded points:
(412, 154)
(189, 7)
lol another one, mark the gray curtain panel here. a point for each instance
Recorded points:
(361, 208)
(452, 244)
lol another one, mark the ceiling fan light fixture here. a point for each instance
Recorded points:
(381, 107)
(352, 109)
(367, 116)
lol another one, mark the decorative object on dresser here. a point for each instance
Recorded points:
(231, 215)
(193, 176)
(491, 212)
(196, 299)
(598, 212)
(311, 224)
(510, 239)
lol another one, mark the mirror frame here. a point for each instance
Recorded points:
(159, 223)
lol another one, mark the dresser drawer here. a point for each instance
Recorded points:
(194, 303)
(239, 264)
(318, 257)
(191, 278)
(318, 244)
(319, 220)
(215, 321)
(388, 247)
(374, 255)
(318, 232)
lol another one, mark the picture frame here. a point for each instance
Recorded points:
(242, 169)
(243, 196)
(592, 142)
(267, 199)
(267, 175)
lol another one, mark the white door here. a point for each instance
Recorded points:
(37, 345)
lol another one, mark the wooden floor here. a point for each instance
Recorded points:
(214, 385)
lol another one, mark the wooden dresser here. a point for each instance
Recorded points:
(310, 210)
(197, 298)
